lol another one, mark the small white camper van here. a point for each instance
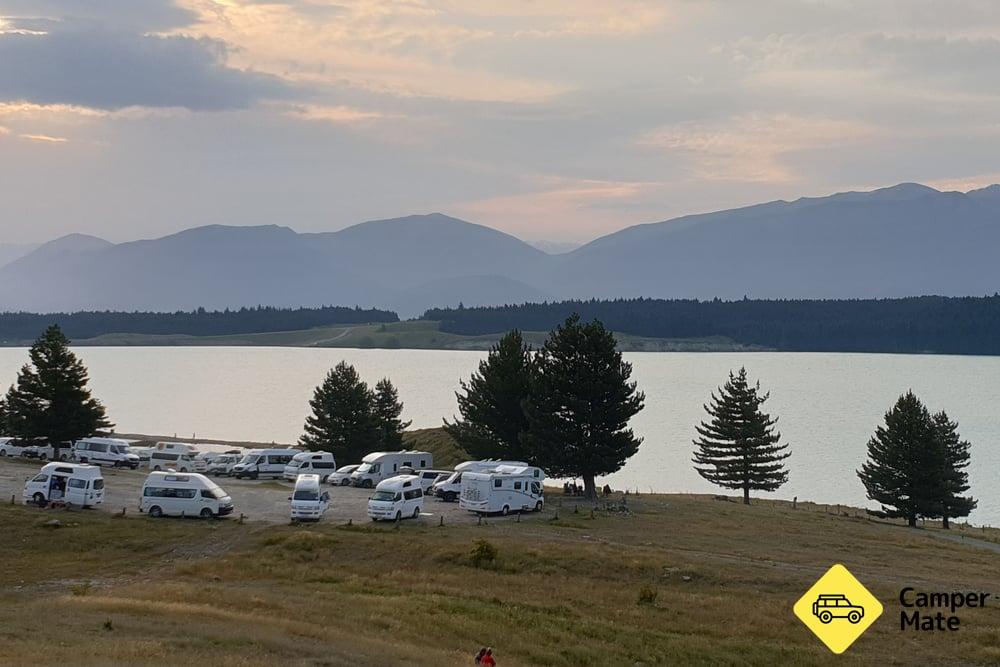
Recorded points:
(264, 463)
(71, 483)
(310, 463)
(179, 494)
(223, 464)
(177, 456)
(378, 466)
(397, 498)
(309, 501)
(105, 451)
(450, 488)
(505, 489)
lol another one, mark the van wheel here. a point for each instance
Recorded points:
(345, 482)
(399, 515)
(39, 499)
(156, 468)
(538, 506)
(367, 484)
(416, 512)
(3, 453)
(450, 497)
(155, 512)
(505, 511)
(43, 456)
(255, 475)
(206, 513)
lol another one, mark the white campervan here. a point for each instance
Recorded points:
(378, 466)
(397, 498)
(105, 451)
(71, 483)
(179, 494)
(504, 489)
(309, 501)
(223, 464)
(176, 456)
(11, 447)
(310, 463)
(450, 488)
(264, 463)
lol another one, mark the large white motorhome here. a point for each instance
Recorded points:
(503, 490)
(180, 494)
(450, 488)
(113, 452)
(310, 463)
(379, 466)
(71, 483)
(397, 498)
(264, 463)
(176, 456)
(308, 500)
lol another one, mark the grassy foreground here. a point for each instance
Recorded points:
(418, 335)
(717, 582)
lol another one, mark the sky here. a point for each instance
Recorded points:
(558, 120)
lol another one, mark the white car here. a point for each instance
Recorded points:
(308, 500)
(342, 477)
(9, 447)
(397, 498)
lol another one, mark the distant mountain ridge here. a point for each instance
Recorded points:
(905, 240)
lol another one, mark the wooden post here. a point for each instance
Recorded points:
(442, 521)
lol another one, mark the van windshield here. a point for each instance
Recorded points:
(295, 464)
(365, 467)
(306, 494)
(248, 459)
(216, 492)
(384, 496)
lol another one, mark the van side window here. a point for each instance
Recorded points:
(78, 483)
(411, 494)
(517, 486)
(497, 483)
(317, 465)
(423, 463)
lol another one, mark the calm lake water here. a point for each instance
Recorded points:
(828, 404)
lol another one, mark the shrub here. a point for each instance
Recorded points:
(80, 590)
(483, 553)
(647, 596)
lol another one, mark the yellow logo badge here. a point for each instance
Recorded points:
(838, 609)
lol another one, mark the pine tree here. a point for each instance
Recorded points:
(955, 480)
(51, 399)
(386, 409)
(580, 404)
(739, 447)
(906, 463)
(493, 422)
(342, 420)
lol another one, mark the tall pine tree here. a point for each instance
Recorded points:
(51, 400)
(342, 419)
(386, 409)
(906, 463)
(580, 404)
(493, 421)
(739, 447)
(954, 479)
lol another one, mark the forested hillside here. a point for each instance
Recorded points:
(967, 325)
(16, 327)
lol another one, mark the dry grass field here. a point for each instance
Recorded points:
(679, 580)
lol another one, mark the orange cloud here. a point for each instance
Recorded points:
(44, 138)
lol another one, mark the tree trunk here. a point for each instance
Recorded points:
(911, 521)
(746, 494)
(589, 487)
(944, 522)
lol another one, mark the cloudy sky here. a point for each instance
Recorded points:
(554, 119)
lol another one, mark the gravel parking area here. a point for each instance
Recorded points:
(258, 500)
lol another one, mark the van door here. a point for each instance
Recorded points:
(76, 491)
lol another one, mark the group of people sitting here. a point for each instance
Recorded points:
(574, 489)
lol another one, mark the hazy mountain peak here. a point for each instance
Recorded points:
(75, 243)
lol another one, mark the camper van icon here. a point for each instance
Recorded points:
(828, 607)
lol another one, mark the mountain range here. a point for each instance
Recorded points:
(904, 240)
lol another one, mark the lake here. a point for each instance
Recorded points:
(828, 404)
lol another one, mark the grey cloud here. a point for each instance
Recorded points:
(86, 65)
(135, 15)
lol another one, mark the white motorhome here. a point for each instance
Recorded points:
(264, 463)
(179, 494)
(105, 451)
(397, 498)
(176, 456)
(450, 488)
(342, 476)
(504, 489)
(71, 483)
(379, 466)
(310, 463)
(308, 500)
